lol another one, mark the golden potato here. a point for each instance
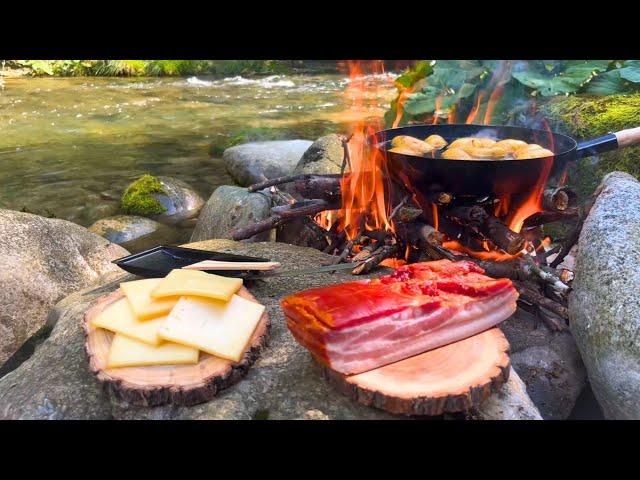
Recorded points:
(456, 154)
(413, 146)
(526, 146)
(511, 144)
(483, 142)
(495, 153)
(526, 153)
(436, 141)
(461, 142)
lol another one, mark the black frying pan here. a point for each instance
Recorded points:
(487, 177)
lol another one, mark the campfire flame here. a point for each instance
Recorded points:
(366, 187)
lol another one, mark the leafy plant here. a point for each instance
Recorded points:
(466, 86)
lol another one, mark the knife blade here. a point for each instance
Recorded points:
(302, 271)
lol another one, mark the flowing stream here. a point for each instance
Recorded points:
(69, 146)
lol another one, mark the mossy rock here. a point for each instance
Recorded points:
(585, 117)
(138, 198)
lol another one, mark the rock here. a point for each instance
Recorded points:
(604, 308)
(548, 363)
(180, 201)
(284, 383)
(324, 156)
(164, 199)
(232, 207)
(41, 261)
(55, 383)
(253, 162)
(133, 232)
(511, 402)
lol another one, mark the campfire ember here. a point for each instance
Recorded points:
(368, 215)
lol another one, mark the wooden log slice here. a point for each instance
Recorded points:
(163, 384)
(452, 378)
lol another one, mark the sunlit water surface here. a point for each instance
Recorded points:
(69, 146)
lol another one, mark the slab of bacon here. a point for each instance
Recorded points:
(358, 326)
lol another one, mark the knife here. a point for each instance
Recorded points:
(302, 271)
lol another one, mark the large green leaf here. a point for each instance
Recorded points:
(631, 71)
(419, 71)
(610, 83)
(553, 78)
(450, 82)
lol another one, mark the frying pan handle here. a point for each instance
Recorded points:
(611, 141)
(628, 137)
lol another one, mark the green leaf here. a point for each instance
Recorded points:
(562, 78)
(419, 71)
(631, 71)
(450, 82)
(610, 83)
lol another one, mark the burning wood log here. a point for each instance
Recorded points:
(408, 214)
(440, 198)
(418, 234)
(382, 253)
(322, 181)
(282, 214)
(505, 238)
(555, 199)
(542, 218)
(468, 215)
(305, 207)
(319, 186)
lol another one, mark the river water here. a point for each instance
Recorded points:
(69, 146)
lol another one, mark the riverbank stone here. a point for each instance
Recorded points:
(164, 199)
(42, 260)
(254, 162)
(604, 307)
(133, 232)
(231, 207)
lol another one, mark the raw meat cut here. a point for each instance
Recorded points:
(358, 326)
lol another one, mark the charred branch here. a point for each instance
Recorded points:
(376, 257)
(282, 214)
(505, 238)
(468, 215)
(555, 199)
(440, 198)
(330, 179)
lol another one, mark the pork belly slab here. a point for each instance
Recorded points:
(357, 326)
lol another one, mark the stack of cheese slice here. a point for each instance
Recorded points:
(168, 321)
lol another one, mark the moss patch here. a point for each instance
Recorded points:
(137, 198)
(586, 117)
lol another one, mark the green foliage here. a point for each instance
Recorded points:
(151, 67)
(590, 116)
(137, 198)
(552, 77)
(466, 85)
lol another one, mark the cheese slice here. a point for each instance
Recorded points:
(144, 307)
(119, 318)
(220, 328)
(197, 283)
(127, 352)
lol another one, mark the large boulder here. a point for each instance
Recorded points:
(284, 383)
(165, 199)
(232, 207)
(256, 161)
(324, 156)
(42, 260)
(604, 308)
(548, 363)
(133, 232)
